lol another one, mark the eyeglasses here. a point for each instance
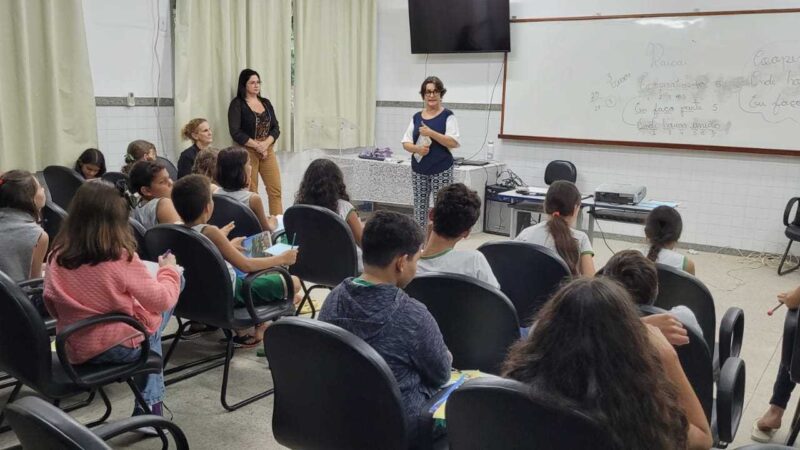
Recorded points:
(434, 93)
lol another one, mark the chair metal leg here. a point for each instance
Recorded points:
(795, 429)
(138, 395)
(306, 296)
(208, 363)
(177, 334)
(783, 260)
(11, 398)
(175, 340)
(224, 391)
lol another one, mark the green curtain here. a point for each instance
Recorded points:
(335, 69)
(47, 110)
(214, 41)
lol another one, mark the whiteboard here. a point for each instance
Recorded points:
(722, 82)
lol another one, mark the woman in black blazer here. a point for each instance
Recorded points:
(253, 125)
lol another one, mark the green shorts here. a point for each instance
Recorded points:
(266, 289)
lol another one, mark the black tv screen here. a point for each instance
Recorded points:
(459, 26)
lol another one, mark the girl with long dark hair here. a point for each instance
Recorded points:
(589, 351)
(663, 228)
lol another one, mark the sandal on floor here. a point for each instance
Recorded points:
(761, 436)
(245, 341)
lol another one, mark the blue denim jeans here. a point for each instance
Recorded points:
(152, 386)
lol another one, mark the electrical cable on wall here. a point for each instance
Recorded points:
(155, 12)
(488, 113)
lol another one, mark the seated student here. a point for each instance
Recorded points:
(639, 276)
(590, 351)
(233, 176)
(139, 150)
(94, 270)
(91, 164)
(192, 197)
(151, 181)
(375, 308)
(563, 204)
(24, 243)
(663, 229)
(199, 132)
(456, 210)
(323, 185)
(765, 427)
(206, 164)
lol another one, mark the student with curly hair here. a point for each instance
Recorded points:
(456, 210)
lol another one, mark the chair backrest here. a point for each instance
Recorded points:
(208, 294)
(114, 177)
(139, 232)
(676, 287)
(345, 396)
(528, 274)
(227, 210)
(41, 426)
(697, 363)
(327, 248)
(171, 169)
(560, 170)
(62, 182)
(52, 218)
(477, 321)
(494, 412)
(24, 344)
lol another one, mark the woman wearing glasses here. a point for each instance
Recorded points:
(253, 125)
(431, 137)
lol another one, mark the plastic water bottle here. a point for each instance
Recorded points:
(490, 150)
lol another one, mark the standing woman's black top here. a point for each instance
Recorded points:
(242, 121)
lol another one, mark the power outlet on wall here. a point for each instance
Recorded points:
(131, 100)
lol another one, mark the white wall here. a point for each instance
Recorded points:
(129, 45)
(727, 200)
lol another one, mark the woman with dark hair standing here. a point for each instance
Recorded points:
(430, 138)
(253, 125)
(590, 352)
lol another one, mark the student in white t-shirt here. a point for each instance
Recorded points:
(562, 203)
(323, 185)
(663, 229)
(456, 210)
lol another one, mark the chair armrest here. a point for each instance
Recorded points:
(61, 342)
(277, 235)
(116, 428)
(425, 422)
(33, 283)
(731, 334)
(730, 398)
(789, 209)
(247, 293)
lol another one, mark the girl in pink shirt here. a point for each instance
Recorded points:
(93, 270)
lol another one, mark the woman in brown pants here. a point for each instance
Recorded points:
(253, 125)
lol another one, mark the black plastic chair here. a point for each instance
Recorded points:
(208, 298)
(114, 177)
(344, 397)
(676, 287)
(171, 169)
(791, 346)
(52, 218)
(560, 170)
(26, 355)
(792, 232)
(62, 182)
(492, 412)
(723, 412)
(139, 231)
(528, 274)
(41, 426)
(327, 250)
(477, 321)
(227, 210)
